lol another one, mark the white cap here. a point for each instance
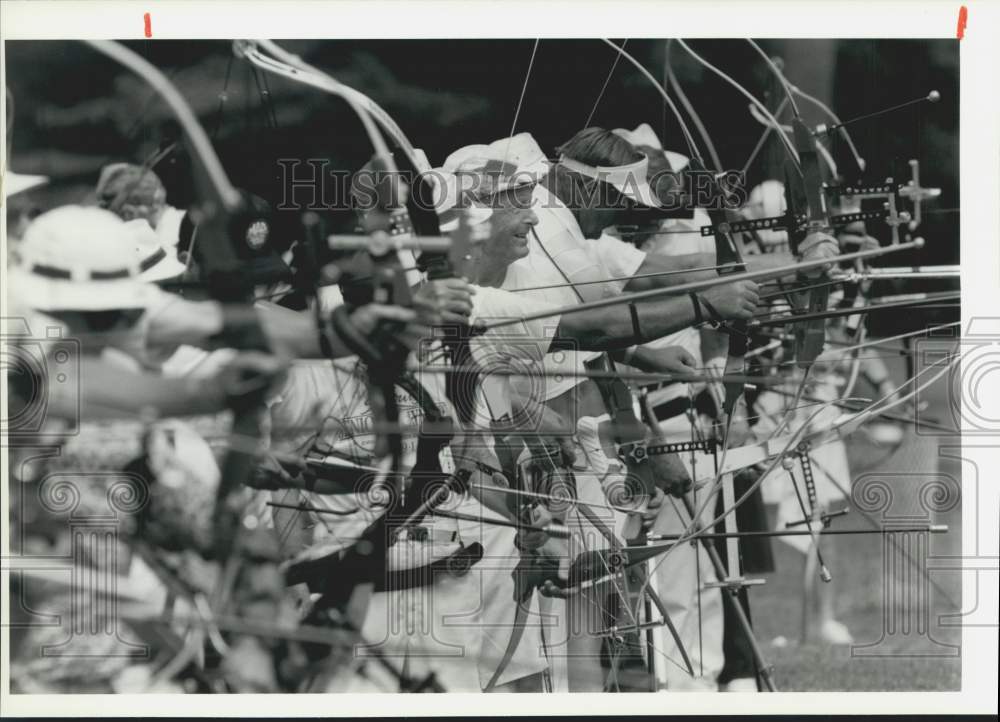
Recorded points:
(642, 135)
(501, 165)
(447, 204)
(80, 258)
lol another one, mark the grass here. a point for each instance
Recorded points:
(860, 577)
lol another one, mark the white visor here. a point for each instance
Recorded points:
(629, 180)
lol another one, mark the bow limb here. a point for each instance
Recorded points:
(216, 185)
(523, 593)
(746, 93)
(688, 138)
(382, 363)
(833, 116)
(628, 430)
(374, 118)
(810, 335)
(450, 264)
(213, 213)
(390, 285)
(628, 433)
(671, 80)
(530, 573)
(802, 157)
(728, 253)
(218, 201)
(356, 97)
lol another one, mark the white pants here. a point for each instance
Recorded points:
(457, 627)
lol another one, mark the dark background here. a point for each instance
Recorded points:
(76, 110)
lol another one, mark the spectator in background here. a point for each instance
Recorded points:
(261, 238)
(135, 192)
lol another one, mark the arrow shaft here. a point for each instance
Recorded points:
(696, 286)
(838, 312)
(929, 528)
(655, 274)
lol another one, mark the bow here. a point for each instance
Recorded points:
(645, 476)
(718, 206)
(218, 204)
(397, 224)
(803, 160)
(388, 224)
(214, 213)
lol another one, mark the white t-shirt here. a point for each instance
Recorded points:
(520, 346)
(558, 253)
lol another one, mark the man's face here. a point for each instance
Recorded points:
(593, 221)
(511, 222)
(599, 206)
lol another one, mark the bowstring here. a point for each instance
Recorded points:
(763, 137)
(685, 131)
(520, 101)
(604, 87)
(694, 533)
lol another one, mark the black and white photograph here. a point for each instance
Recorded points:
(482, 352)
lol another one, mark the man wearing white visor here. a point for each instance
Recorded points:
(556, 250)
(548, 238)
(485, 594)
